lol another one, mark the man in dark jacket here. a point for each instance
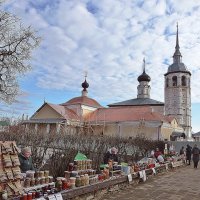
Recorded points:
(195, 153)
(111, 155)
(25, 160)
(188, 154)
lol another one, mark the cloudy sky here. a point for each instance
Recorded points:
(108, 39)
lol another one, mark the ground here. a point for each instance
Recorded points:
(180, 184)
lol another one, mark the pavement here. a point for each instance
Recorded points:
(180, 184)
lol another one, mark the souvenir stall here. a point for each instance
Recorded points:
(79, 178)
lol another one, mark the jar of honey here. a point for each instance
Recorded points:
(64, 184)
(29, 196)
(46, 173)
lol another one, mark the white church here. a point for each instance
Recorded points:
(139, 116)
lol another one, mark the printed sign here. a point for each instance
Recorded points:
(130, 179)
(58, 196)
(51, 197)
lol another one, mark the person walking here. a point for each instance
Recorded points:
(182, 150)
(182, 153)
(188, 154)
(195, 153)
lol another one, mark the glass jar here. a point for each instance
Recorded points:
(29, 196)
(41, 174)
(78, 181)
(72, 181)
(64, 184)
(27, 182)
(59, 184)
(46, 173)
(37, 174)
(71, 166)
(25, 197)
(50, 179)
(46, 179)
(67, 174)
(86, 179)
(32, 182)
(82, 180)
(42, 180)
(37, 181)
(33, 195)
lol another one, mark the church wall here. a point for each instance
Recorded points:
(159, 109)
(132, 130)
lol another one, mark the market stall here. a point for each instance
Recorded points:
(79, 179)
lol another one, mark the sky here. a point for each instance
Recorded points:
(108, 39)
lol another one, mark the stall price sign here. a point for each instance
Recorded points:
(51, 197)
(130, 179)
(58, 196)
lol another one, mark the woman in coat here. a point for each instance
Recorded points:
(25, 160)
(195, 153)
(188, 154)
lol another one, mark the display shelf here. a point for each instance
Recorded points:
(38, 186)
(112, 173)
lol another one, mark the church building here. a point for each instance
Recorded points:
(139, 116)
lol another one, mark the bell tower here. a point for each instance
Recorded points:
(178, 91)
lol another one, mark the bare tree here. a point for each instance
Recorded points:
(16, 45)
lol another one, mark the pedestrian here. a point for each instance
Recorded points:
(195, 153)
(188, 154)
(182, 150)
(25, 160)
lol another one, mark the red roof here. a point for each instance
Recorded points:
(84, 100)
(65, 112)
(119, 114)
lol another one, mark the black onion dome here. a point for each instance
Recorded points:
(85, 85)
(144, 77)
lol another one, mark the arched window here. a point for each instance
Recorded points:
(167, 82)
(183, 81)
(174, 80)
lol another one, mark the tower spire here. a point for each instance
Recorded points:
(177, 41)
(177, 54)
(144, 63)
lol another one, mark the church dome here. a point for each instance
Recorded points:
(83, 100)
(144, 77)
(85, 85)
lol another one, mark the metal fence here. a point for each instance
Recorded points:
(178, 144)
